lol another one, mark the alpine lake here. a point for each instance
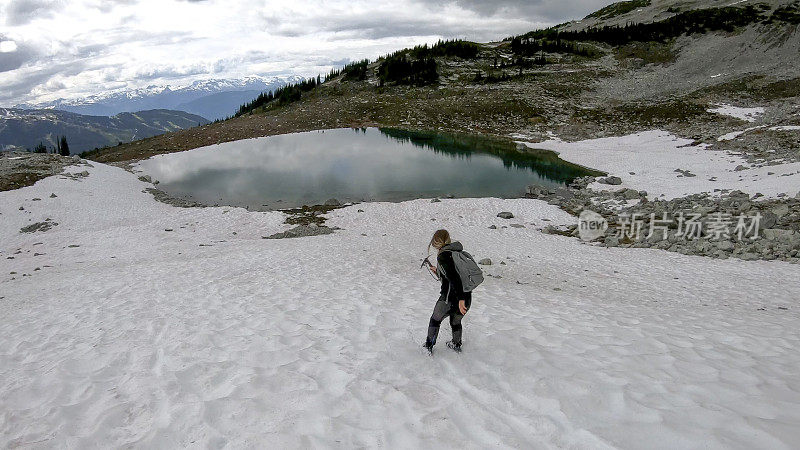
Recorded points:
(355, 165)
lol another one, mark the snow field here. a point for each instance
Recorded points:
(654, 156)
(315, 342)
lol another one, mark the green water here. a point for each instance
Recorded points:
(368, 164)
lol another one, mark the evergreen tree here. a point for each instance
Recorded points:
(62, 146)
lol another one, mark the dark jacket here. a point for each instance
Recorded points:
(452, 290)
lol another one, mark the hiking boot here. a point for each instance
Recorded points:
(453, 346)
(429, 347)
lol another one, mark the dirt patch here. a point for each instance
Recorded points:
(308, 215)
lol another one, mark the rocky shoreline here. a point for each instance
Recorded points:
(731, 225)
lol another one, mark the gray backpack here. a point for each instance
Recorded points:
(471, 275)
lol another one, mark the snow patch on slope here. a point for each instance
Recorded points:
(746, 114)
(650, 161)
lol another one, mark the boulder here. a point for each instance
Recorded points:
(505, 215)
(780, 210)
(485, 262)
(435, 200)
(564, 193)
(146, 178)
(776, 234)
(768, 219)
(614, 181)
(725, 245)
(630, 194)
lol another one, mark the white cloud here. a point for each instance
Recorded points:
(8, 46)
(100, 44)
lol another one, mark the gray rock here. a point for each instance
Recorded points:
(768, 219)
(725, 245)
(485, 262)
(517, 225)
(776, 234)
(332, 202)
(611, 241)
(435, 200)
(534, 190)
(76, 158)
(53, 195)
(505, 215)
(740, 168)
(492, 227)
(22, 208)
(564, 193)
(630, 194)
(163, 197)
(146, 178)
(614, 181)
(780, 210)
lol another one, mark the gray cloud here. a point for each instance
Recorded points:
(23, 85)
(535, 10)
(22, 55)
(20, 12)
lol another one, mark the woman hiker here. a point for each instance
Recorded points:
(453, 301)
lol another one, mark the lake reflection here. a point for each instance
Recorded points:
(353, 165)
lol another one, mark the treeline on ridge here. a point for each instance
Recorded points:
(727, 18)
(416, 66)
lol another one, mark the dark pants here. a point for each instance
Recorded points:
(440, 311)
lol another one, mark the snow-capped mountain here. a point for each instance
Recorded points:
(212, 99)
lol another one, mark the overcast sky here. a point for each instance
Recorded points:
(53, 49)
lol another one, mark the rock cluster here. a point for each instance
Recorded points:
(777, 236)
(302, 231)
(38, 226)
(163, 197)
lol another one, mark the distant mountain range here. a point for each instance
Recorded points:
(212, 99)
(22, 129)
